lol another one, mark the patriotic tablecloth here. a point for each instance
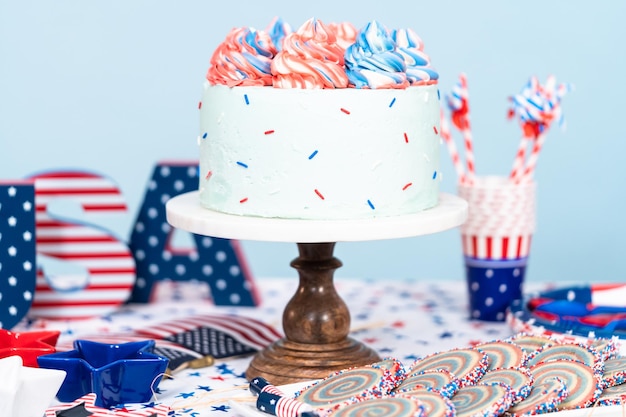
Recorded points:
(401, 319)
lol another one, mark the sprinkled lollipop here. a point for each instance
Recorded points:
(347, 386)
(570, 351)
(544, 397)
(438, 380)
(469, 365)
(615, 395)
(435, 404)
(389, 406)
(519, 379)
(583, 383)
(614, 372)
(530, 342)
(503, 354)
(536, 107)
(482, 400)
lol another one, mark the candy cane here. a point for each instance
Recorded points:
(452, 149)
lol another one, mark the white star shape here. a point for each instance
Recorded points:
(27, 205)
(28, 295)
(27, 236)
(12, 281)
(12, 221)
(12, 251)
(12, 191)
(27, 266)
(12, 310)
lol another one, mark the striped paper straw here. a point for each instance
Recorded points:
(518, 163)
(531, 163)
(452, 149)
(537, 107)
(459, 106)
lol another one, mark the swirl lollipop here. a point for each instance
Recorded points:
(468, 365)
(503, 354)
(354, 384)
(545, 397)
(435, 404)
(438, 380)
(614, 372)
(482, 400)
(520, 380)
(583, 382)
(389, 406)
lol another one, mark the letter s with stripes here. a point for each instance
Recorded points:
(97, 269)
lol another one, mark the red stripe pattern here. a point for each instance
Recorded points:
(103, 272)
(496, 248)
(246, 330)
(88, 402)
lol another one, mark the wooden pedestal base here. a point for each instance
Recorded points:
(316, 322)
(287, 362)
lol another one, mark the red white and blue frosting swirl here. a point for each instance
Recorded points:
(321, 56)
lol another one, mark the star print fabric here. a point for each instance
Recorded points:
(17, 251)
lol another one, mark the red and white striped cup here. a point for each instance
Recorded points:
(496, 241)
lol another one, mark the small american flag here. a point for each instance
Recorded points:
(219, 336)
(192, 338)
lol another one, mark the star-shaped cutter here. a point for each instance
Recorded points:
(117, 373)
(26, 391)
(85, 406)
(28, 345)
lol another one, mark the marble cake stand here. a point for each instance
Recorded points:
(316, 321)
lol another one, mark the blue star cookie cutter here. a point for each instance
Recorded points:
(117, 373)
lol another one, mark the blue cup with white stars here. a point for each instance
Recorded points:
(493, 285)
(496, 241)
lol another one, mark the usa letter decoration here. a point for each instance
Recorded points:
(215, 261)
(17, 251)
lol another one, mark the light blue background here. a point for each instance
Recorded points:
(112, 86)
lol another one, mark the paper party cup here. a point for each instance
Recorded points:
(496, 242)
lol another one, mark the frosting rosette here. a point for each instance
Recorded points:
(278, 29)
(373, 62)
(411, 47)
(345, 32)
(310, 58)
(243, 58)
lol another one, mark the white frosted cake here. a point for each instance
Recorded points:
(285, 134)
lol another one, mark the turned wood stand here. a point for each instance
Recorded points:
(316, 321)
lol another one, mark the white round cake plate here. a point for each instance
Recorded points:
(186, 213)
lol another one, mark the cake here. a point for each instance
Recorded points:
(325, 122)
